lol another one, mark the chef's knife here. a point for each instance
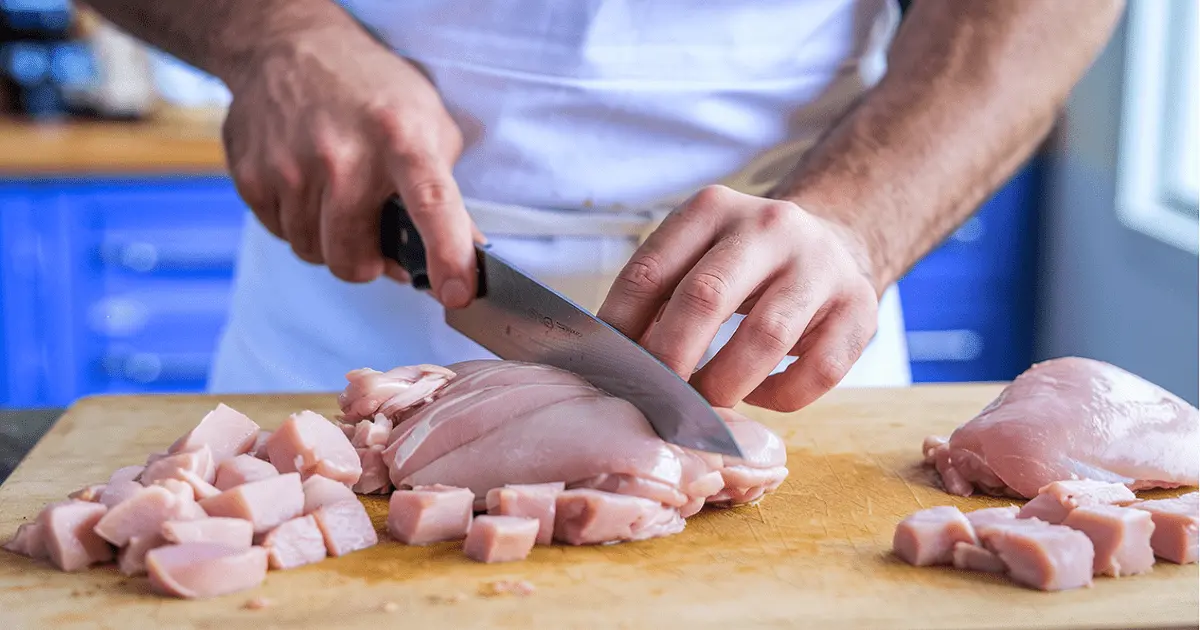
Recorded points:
(520, 319)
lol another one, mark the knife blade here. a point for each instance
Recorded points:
(518, 318)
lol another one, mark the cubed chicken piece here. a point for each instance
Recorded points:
(528, 500)
(131, 559)
(1120, 537)
(259, 449)
(117, 492)
(224, 430)
(374, 478)
(309, 444)
(970, 557)
(198, 461)
(144, 513)
(1040, 555)
(1175, 527)
(319, 491)
(222, 530)
(266, 503)
(126, 473)
(346, 527)
(426, 515)
(68, 532)
(369, 433)
(236, 471)
(295, 543)
(88, 493)
(371, 392)
(927, 537)
(201, 489)
(28, 541)
(1054, 501)
(178, 488)
(201, 570)
(986, 516)
(588, 517)
(501, 538)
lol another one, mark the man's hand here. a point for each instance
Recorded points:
(803, 283)
(322, 130)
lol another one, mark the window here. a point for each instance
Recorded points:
(1157, 192)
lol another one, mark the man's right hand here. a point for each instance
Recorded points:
(322, 129)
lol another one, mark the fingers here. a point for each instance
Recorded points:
(350, 217)
(827, 354)
(427, 188)
(646, 282)
(770, 330)
(705, 299)
(299, 211)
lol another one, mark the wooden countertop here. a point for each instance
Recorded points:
(815, 553)
(171, 142)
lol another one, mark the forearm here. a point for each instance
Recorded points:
(973, 87)
(223, 37)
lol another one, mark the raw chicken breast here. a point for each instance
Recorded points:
(426, 515)
(198, 461)
(1175, 527)
(1072, 418)
(500, 538)
(131, 559)
(231, 532)
(144, 513)
(1040, 555)
(1055, 501)
(67, 531)
(259, 449)
(125, 474)
(591, 517)
(374, 478)
(115, 493)
(372, 433)
(244, 468)
(372, 392)
(535, 501)
(500, 423)
(28, 541)
(1120, 537)
(311, 445)
(266, 502)
(200, 570)
(969, 557)
(88, 493)
(224, 430)
(319, 491)
(929, 536)
(979, 518)
(295, 543)
(346, 527)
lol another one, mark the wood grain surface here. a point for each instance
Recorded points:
(814, 554)
(174, 142)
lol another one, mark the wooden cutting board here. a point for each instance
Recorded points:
(815, 553)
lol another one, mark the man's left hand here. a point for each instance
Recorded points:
(803, 282)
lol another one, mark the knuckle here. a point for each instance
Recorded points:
(428, 195)
(709, 196)
(642, 276)
(706, 293)
(772, 331)
(828, 370)
(777, 215)
(286, 171)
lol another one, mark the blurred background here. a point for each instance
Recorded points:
(119, 228)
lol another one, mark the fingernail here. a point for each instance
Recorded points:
(454, 293)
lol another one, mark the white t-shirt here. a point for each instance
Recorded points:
(582, 109)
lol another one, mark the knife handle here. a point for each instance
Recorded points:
(400, 241)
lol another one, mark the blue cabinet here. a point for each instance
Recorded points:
(969, 305)
(123, 285)
(113, 286)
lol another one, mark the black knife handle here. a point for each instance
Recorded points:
(400, 241)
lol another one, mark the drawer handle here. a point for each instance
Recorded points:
(944, 345)
(143, 257)
(151, 367)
